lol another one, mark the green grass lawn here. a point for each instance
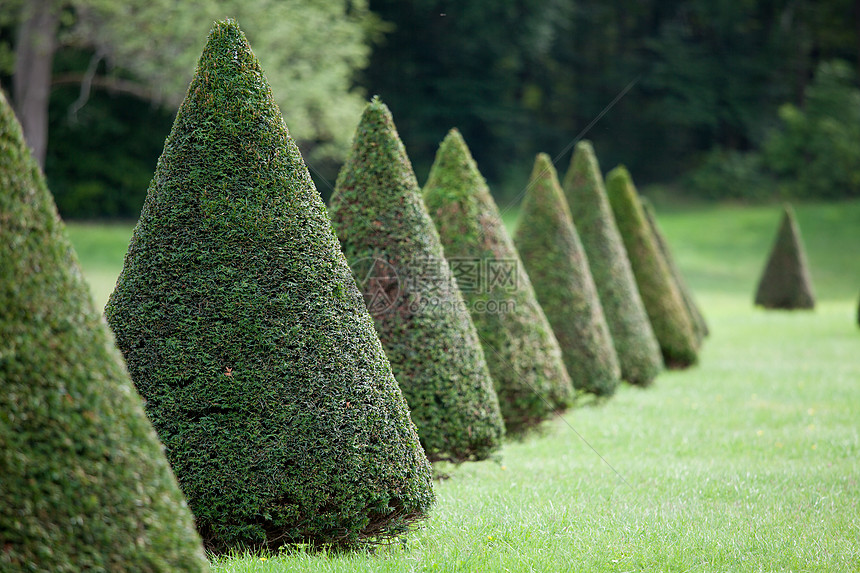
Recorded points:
(101, 249)
(748, 462)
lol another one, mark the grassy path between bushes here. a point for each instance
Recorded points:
(748, 462)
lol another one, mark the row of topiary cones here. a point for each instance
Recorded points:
(275, 385)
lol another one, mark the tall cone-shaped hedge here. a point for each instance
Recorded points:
(786, 282)
(699, 325)
(245, 332)
(84, 484)
(558, 267)
(395, 253)
(663, 301)
(635, 343)
(521, 350)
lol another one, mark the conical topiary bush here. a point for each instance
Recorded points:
(394, 250)
(244, 331)
(558, 267)
(663, 301)
(521, 350)
(786, 282)
(84, 484)
(634, 340)
(699, 325)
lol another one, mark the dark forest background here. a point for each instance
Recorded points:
(701, 99)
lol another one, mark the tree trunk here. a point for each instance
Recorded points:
(31, 82)
(857, 32)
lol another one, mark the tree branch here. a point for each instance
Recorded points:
(86, 85)
(106, 83)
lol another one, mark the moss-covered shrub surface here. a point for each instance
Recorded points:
(521, 350)
(247, 336)
(84, 484)
(663, 301)
(558, 267)
(635, 343)
(700, 327)
(423, 323)
(786, 282)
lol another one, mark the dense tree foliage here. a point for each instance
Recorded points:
(465, 65)
(518, 78)
(816, 150)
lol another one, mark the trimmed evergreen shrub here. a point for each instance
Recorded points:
(245, 332)
(391, 244)
(558, 267)
(786, 282)
(84, 484)
(521, 350)
(634, 340)
(663, 301)
(699, 325)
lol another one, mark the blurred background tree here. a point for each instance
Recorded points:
(104, 77)
(718, 99)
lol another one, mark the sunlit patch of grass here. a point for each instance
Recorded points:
(101, 249)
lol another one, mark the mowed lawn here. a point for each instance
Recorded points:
(748, 462)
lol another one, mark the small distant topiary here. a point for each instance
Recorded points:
(84, 484)
(245, 332)
(635, 343)
(521, 350)
(395, 253)
(557, 265)
(786, 282)
(699, 324)
(663, 301)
